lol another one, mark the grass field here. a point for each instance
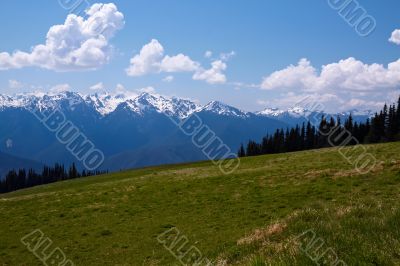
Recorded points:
(251, 217)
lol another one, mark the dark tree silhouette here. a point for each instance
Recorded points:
(15, 180)
(383, 127)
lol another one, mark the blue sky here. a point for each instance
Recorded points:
(264, 36)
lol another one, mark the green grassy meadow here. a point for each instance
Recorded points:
(251, 217)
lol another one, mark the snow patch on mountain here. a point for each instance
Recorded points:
(223, 109)
(271, 112)
(106, 103)
(102, 103)
(146, 103)
(356, 112)
(295, 112)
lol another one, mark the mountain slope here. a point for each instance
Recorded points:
(9, 162)
(131, 131)
(258, 213)
(298, 115)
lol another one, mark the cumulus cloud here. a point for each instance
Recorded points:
(78, 44)
(395, 38)
(60, 88)
(98, 86)
(346, 75)
(119, 88)
(208, 54)
(168, 79)
(227, 56)
(178, 63)
(301, 75)
(214, 75)
(15, 84)
(328, 102)
(147, 90)
(151, 59)
(340, 86)
(147, 61)
(122, 92)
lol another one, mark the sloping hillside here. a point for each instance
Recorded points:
(9, 162)
(262, 213)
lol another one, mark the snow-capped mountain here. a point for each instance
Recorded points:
(271, 112)
(131, 130)
(356, 112)
(297, 115)
(7, 101)
(222, 109)
(41, 101)
(292, 112)
(105, 103)
(154, 103)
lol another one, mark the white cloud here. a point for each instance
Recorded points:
(98, 86)
(227, 56)
(168, 79)
(242, 85)
(147, 90)
(60, 88)
(78, 44)
(347, 84)
(327, 102)
(346, 75)
(262, 102)
(361, 104)
(214, 75)
(178, 63)
(302, 75)
(15, 84)
(208, 54)
(120, 88)
(331, 102)
(147, 61)
(151, 59)
(395, 38)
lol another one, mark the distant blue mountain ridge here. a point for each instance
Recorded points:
(131, 131)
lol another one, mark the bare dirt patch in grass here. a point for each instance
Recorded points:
(316, 173)
(183, 174)
(342, 211)
(262, 234)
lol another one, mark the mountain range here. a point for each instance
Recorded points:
(131, 131)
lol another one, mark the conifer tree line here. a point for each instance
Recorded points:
(384, 126)
(20, 179)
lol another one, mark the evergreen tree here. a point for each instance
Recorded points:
(241, 152)
(397, 121)
(384, 126)
(303, 137)
(73, 172)
(15, 180)
(391, 129)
